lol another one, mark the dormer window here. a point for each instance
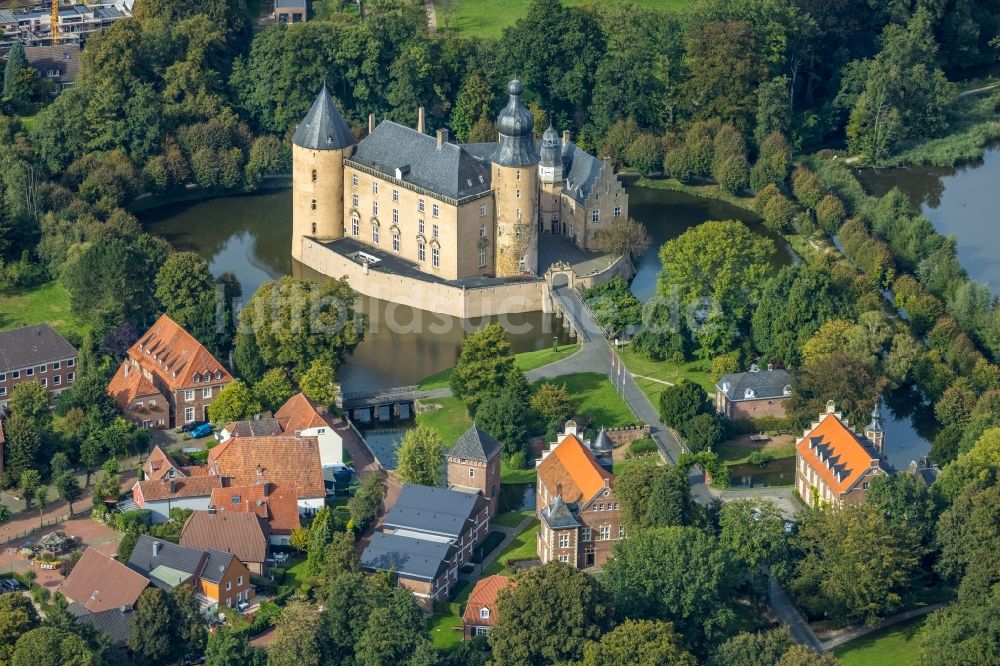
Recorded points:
(749, 394)
(484, 613)
(218, 374)
(787, 390)
(197, 379)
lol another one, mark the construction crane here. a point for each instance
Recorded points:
(54, 29)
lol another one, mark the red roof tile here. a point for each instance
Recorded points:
(572, 466)
(284, 460)
(301, 413)
(239, 533)
(193, 486)
(174, 356)
(484, 595)
(129, 384)
(278, 505)
(159, 464)
(101, 583)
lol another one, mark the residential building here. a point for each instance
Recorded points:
(427, 535)
(833, 463)
(748, 395)
(481, 608)
(175, 492)
(580, 516)
(242, 534)
(924, 470)
(32, 26)
(218, 578)
(274, 504)
(57, 63)
(102, 592)
(167, 378)
(291, 11)
(425, 205)
(292, 463)
(266, 427)
(473, 465)
(161, 465)
(35, 354)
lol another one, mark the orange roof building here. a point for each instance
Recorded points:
(276, 505)
(481, 608)
(833, 463)
(167, 365)
(577, 507)
(100, 583)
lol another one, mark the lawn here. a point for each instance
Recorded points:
(512, 475)
(511, 518)
(450, 421)
(446, 617)
(894, 646)
(295, 574)
(738, 451)
(48, 302)
(525, 360)
(596, 399)
(666, 371)
(523, 547)
(484, 18)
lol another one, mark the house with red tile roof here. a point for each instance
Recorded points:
(833, 463)
(168, 378)
(99, 582)
(277, 505)
(242, 534)
(577, 507)
(161, 495)
(481, 608)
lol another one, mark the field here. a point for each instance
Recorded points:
(596, 398)
(523, 547)
(738, 451)
(446, 617)
(483, 18)
(45, 303)
(451, 420)
(653, 376)
(895, 646)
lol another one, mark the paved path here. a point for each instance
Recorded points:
(888, 622)
(787, 612)
(975, 91)
(652, 379)
(432, 18)
(509, 534)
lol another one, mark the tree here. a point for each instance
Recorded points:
(297, 322)
(296, 636)
(273, 389)
(24, 445)
(60, 463)
(473, 104)
(633, 487)
(773, 161)
(802, 655)
(17, 617)
(753, 532)
(855, 543)
(807, 187)
(49, 646)
(682, 402)
(969, 546)
(246, 358)
(29, 483)
(905, 500)
(318, 383)
(394, 632)
(830, 213)
(732, 174)
(483, 366)
(234, 403)
(367, 500)
(772, 108)
(677, 574)
(645, 154)
(702, 432)
(419, 456)
(91, 454)
(19, 78)
(127, 544)
(713, 272)
(549, 615)
(31, 400)
(623, 236)
(320, 534)
(552, 401)
(69, 488)
(151, 637)
(669, 501)
(750, 649)
(183, 284)
(188, 622)
(503, 417)
(966, 632)
(230, 646)
(642, 643)
(851, 383)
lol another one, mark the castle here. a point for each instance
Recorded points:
(422, 210)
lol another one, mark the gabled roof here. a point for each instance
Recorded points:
(32, 345)
(159, 464)
(243, 534)
(165, 564)
(63, 57)
(422, 559)
(128, 384)
(175, 357)
(558, 516)
(323, 128)
(484, 595)
(581, 171)
(182, 486)
(278, 505)
(448, 171)
(100, 583)
(216, 565)
(115, 623)
(254, 428)
(433, 511)
(838, 455)
(573, 469)
(475, 444)
(756, 385)
(301, 413)
(285, 460)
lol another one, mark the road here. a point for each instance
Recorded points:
(789, 614)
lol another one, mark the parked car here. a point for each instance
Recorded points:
(191, 425)
(204, 430)
(11, 584)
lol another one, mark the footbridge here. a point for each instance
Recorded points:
(386, 405)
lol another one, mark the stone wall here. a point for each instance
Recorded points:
(619, 436)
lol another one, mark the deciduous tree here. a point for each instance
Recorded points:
(419, 456)
(319, 384)
(273, 389)
(483, 366)
(639, 642)
(234, 402)
(49, 646)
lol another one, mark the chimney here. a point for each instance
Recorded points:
(156, 548)
(607, 482)
(371, 123)
(442, 135)
(559, 490)
(565, 137)
(211, 509)
(421, 121)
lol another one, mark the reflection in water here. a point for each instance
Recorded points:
(909, 426)
(959, 201)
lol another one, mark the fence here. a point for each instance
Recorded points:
(57, 520)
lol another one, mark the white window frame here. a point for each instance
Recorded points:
(55, 365)
(564, 540)
(482, 210)
(588, 534)
(57, 380)
(188, 395)
(374, 187)
(354, 200)
(355, 226)
(395, 195)
(188, 414)
(605, 532)
(484, 613)
(375, 208)
(435, 210)
(206, 392)
(482, 257)
(29, 372)
(595, 216)
(420, 226)
(435, 257)
(395, 216)
(435, 231)
(618, 211)
(354, 179)
(70, 376)
(421, 252)
(420, 205)
(395, 241)
(375, 234)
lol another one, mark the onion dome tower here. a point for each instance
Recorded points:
(550, 179)
(550, 166)
(319, 146)
(515, 188)
(875, 431)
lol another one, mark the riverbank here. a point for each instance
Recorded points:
(707, 191)
(192, 193)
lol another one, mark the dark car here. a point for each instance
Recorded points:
(188, 427)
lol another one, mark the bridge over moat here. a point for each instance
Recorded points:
(387, 405)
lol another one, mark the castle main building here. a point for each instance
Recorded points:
(425, 207)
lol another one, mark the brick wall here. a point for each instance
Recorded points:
(621, 436)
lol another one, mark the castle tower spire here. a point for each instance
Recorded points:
(874, 431)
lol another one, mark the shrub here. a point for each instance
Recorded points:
(724, 365)
(830, 213)
(645, 154)
(641, 447)
(517, 460)
(759, 458)
(658, 346)
(806, 187)
(778, 213)
(732, 174)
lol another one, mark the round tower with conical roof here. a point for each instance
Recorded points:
(550, 178)
(319, 146)
(515, 187)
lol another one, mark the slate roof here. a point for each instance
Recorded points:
(450, 172)
(171, 556)
(115, 623)
(571, 467)
(62, 57)
(32, 345)
(284, 460)
(581, 171)
(176, 358)
(603, 442)
(237, 532)
(558, 516)
(437, 511)
(515, 124)
(99, 583)
(216, 565)
(409, 557)
(850, 456)
(926, 473)
(475, 444)
(551, 151)
(484, 595)
(323, 128)
(765, 384)
(254, 428)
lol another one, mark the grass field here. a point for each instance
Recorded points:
(596, 398)
(523, 547)
(446, 617)
(451, 420)
(525, 360)
(895, 646)
(513, 475)
(738, 451)
(654, 376)
(48, 302)
(483, 18)
(511, 518)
